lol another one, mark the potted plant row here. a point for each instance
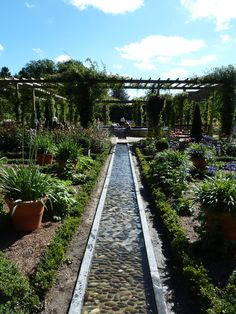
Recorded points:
(45, 149)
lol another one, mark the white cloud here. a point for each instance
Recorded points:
(199, 61)
(29, 5)
(145, 66)
(222, 11)
(164, 60)
(109, 6)
(153, 49)
(38, 51)
(175, 73)
(62, 58)
(1, 47)
(225, 39)
(117, 66)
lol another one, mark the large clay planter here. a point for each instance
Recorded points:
(226, 223)
(199, 163)
(44, 159)
(26, 215)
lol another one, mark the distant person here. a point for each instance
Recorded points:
(98, 124)
(122, 121)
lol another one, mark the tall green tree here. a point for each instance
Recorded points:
(38, 69)
(81, 87)
(154, 106)
(5, 72)
(137, 112)
(120, 93)
(196, 131)
(179, 102)
(49, 112)
(227, 76)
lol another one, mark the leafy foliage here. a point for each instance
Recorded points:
(169, 171)
(154, 106)
(25, 183)
(67, 150)
(61, 202)
(199, 150)
(43, 143)
(16, 295)
(218, 194)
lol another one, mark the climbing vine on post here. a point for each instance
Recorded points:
(154, 107)
(49, 112)
(105, 114)
(137, 113)
(227, 75)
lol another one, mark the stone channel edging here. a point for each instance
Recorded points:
(80, 287)
(156, 281)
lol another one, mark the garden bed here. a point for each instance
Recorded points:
(26, 249)
(207, 268)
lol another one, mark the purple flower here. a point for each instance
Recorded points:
(231, 166)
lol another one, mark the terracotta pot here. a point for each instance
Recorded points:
(26, 215)
(226, 223)
(199, 163)
(44, 159)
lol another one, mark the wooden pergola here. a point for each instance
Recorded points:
(194, 87)
(126, 83)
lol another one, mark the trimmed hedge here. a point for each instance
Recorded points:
(16, 294)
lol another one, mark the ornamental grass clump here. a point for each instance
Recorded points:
(68, 150)
(24, 183)
(43, 144)
(218, 194)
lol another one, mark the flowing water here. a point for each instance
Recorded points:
(119, 279)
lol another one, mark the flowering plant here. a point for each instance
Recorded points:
(196, 150)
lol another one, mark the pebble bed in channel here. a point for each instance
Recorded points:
(119, 279)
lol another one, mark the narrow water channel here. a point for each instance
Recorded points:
(119, 279)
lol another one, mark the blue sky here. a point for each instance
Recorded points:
(138, 38)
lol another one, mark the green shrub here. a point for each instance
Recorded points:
(169, 170)
(61, 202)
(196, 150)
(84, 164)
(162, 144)
(16, 295)
(231, 150)
(183, 206)
(46, 270)
(13, 138)
(198, 282)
